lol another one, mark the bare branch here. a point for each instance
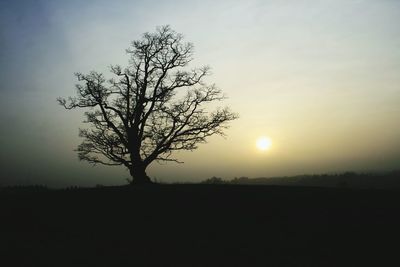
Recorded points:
(137, 116)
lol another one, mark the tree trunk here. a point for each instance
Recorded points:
(139, 176)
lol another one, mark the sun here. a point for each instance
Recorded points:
(263, 143)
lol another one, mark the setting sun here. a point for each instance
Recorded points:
(263, 143)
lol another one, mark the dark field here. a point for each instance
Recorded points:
(200, 225)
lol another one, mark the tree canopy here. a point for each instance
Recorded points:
(151, 108)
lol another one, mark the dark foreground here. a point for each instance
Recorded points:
(200, 225)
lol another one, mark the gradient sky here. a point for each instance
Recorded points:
(320, 78)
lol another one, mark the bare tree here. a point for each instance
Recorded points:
(140, 116)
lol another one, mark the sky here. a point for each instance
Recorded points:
(321, 79)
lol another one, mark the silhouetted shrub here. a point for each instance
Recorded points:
(214, 180)
(240, 180)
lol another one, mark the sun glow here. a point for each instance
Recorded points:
(263, 143)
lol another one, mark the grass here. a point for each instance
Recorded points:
(199, 225)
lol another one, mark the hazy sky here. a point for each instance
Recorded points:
(320, 78)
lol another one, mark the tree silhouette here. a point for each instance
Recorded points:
(141, 115)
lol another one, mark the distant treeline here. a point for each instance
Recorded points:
(387, 180)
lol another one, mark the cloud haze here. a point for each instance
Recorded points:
(320, 78)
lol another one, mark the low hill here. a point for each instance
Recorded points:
(387, 180)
